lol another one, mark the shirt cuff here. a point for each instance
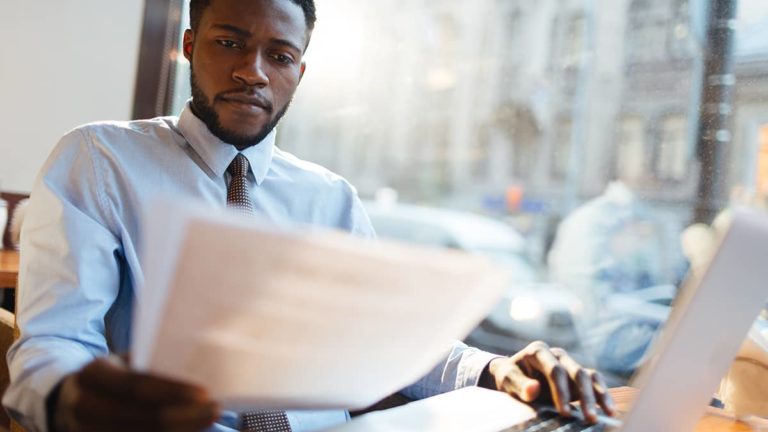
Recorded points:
(35, 373)
(472, 366)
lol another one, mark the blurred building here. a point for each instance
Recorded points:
(657, 125)
(749, 154)
(656, 128)
(460, 103)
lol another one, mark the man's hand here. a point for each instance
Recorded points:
(106, 396)
(542, 374)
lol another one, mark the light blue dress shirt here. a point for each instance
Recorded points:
(82, 238)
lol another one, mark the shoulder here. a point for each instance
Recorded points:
(111, 140)
(310, 175)
(99, 147)
(333, 199)
(114, 132)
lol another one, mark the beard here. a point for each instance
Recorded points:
(203, 109)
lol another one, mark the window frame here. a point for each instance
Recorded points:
(154, 90)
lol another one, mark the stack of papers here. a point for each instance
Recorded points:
(298, 319)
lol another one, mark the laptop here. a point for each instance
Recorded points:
(709, 321)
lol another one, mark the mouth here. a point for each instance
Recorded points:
(248, 103)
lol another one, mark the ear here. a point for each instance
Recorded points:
(302, 70)
(188, 44)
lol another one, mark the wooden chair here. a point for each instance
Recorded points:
(9, 332)
(13, 199)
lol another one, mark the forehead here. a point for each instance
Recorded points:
(277, 17)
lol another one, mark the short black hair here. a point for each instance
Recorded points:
(197, 7)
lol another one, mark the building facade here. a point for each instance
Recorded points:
(461, 103)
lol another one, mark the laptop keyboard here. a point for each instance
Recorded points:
(551, 422)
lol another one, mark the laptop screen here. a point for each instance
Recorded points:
(709, 321)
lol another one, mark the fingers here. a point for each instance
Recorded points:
(601, 393)
(105, 377)
(555, 374)
(92, 412)
(561, 375)
(107, 396)
(590, 386)
(582, 381)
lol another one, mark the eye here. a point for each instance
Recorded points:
(228, 43)
(282, 58)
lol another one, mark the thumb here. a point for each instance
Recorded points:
(517, 383)
(529, 389)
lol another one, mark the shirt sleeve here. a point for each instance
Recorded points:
(360, 222)
(70, 268)
(461, 368)
(349, 212)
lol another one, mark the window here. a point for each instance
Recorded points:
(630, 163)
(647, 32)
(672, 154)
(570, 124)
(680, 38)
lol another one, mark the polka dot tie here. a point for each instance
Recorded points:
(238, 197)
(265, 421)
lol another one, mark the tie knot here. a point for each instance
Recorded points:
(239, 166)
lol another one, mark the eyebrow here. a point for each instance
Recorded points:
(234, 29)
(287, 43)
(246, 34)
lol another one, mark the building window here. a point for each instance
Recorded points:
(680, 43)
(631, 154)
(647, 33)
(672, 153)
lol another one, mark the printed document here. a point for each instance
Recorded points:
(298, 318)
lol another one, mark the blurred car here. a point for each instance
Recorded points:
(530, 310)
(538, 311)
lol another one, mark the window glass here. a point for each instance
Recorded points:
(631, 149)
(672, 157)
(570, 124)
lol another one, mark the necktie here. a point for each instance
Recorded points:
(238, 197)
(265, 421)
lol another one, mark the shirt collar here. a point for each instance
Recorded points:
(217, 154)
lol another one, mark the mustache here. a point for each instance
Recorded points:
(247, 96)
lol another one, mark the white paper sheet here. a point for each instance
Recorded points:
(266, 318)
(469, 409)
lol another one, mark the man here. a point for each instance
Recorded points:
(82, 245)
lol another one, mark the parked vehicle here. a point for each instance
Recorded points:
(530, 309)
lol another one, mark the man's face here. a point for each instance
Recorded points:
(246, 60)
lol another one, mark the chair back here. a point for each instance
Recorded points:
(13, 200)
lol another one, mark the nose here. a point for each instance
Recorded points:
(251, 71)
